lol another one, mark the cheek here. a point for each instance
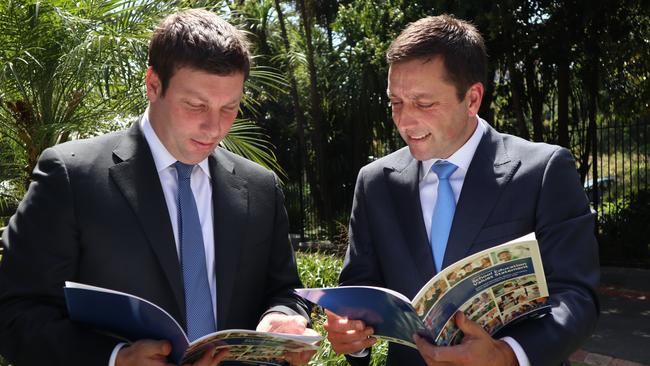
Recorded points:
(185, 120)
(228, 119)
(178, 114)
(431, 120)
(397, 114)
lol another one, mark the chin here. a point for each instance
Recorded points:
(419, 155)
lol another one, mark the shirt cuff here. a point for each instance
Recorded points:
(111, 361)
(522, 358)
(363, 353)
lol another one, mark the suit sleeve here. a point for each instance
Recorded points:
(283, 273)
(41, 252)
(565, 231)
(360, 266)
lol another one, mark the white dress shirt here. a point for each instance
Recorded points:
(429, 180)
(202, 189)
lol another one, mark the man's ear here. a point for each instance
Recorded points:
(153, 84)
(473, 98)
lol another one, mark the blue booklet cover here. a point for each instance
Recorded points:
(389, 313)
(493, 288)
(134, 318)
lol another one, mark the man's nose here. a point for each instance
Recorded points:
(405, 117)
(211, 125)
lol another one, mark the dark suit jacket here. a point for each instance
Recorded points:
(512, 187)
(95, 213)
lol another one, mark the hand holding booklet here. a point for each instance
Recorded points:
(134, 318)
(493, 288)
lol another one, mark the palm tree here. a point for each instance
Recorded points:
(73, 69)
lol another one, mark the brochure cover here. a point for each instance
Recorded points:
(493, 288)
(133, 318)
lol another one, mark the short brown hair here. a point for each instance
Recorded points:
(198, 39)
(458, 42)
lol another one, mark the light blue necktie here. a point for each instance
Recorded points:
(443, 213)
(198, 300)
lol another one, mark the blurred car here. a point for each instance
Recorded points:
(604, 185)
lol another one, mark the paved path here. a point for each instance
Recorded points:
(622, 336)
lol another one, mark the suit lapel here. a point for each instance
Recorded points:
(136, 176)
(403, 180)
(489, 172)
(230, 207)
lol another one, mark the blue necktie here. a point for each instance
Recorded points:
(198, 300)
(443, 213)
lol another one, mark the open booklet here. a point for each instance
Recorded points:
(134, 318)
(493, 288)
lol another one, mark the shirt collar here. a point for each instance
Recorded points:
(161, 156)
(463, 156)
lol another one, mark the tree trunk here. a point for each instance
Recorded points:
(486, 111)
(591, 83)
(563, 96)
(536, 101)
(265, 49)
(298, 112)
(592, 110)
(517, 96)
(316, 112)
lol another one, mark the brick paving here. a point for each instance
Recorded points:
(620, 292)
(595, 359)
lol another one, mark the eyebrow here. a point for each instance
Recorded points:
(191, 94)
(415, 97)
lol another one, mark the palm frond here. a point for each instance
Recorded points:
(262, 80)
(248, 140)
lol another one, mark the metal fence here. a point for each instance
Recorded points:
(305, 225)
(619, 165)
(619, 168)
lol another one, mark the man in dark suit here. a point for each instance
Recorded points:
(116, 211)
(500, 186)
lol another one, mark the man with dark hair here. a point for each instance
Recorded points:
(157, 211)
(458, 188)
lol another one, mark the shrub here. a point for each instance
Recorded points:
(624, 232)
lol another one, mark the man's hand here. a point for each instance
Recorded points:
(154, 353)
(347, 336)
(145, 353)
(477, 347)
(292, 324)
(210, 358)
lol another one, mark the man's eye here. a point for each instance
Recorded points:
(425, 105)
(394, 104)
(194, 106)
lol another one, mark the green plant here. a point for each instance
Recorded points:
(322, 270)
(74, 69)
(624, 233)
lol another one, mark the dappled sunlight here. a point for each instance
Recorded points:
(641, 333)
(611, 311)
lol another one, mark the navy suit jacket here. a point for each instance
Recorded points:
(95, 213)
(512, 187)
